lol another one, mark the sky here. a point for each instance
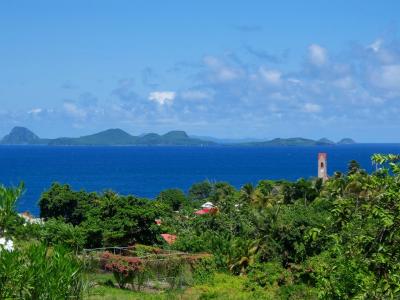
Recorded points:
(231, 69)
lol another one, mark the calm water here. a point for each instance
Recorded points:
(145, 171)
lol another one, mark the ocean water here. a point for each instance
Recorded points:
(145, 171)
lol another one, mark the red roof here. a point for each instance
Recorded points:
(206, 211)
(169, 238)
(202, 211)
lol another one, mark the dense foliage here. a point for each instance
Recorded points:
(37, 273)
(291, 240)
(9, 219)
(106, 219)
(307, 239)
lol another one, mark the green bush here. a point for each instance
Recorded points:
(38, 272)
(267, 274)
(9, 219)
(56, 232)
(204, 270)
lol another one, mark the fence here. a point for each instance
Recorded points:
(161, 268)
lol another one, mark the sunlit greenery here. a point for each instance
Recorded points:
(275, 240)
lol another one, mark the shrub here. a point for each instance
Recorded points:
(8, 201)
(203, 270)
(56, 232)
(38, 272)
(267, 274)
(124, 268)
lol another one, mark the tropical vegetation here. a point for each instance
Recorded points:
(307, 239)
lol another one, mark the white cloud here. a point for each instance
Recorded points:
(387, 77)
(270, 76)
(344, 87)
(162, 97)
(35, 111)
(220, 71)
(74, 111)
(294, 81)
(317, 55)
(311, 108)
(226, 74)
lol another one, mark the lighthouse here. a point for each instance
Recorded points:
(322, 166)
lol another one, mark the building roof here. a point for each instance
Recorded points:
(206, 211)
(30, 219)
(208, 205)
(169, 238)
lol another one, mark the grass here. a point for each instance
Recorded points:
(224, 286)
(105, 291)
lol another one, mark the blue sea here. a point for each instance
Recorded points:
(145, 171)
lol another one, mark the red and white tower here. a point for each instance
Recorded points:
(322, 166)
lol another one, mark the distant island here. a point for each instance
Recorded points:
(119, 137)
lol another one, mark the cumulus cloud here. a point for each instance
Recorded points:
(387, 77)
(35, 111)
(270, 76)
(162, 97)
(353, 87)
(73, 110)
(317, 55)
(219, 71)
(311, 108)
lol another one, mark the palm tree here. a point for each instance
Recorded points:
(247, 192)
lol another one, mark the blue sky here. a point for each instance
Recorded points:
(234, 69)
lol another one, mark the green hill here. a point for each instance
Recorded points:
(110, 137)
(325, 141)
(297, 141)
(346, 141)
(179, 138)
(21, 136)
(107, 138)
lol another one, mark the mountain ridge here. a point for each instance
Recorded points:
(118, 137)
(109, 137)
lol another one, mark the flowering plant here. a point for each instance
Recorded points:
(124, 268)
(6, 244)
